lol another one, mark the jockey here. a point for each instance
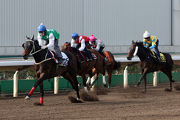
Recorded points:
(48, 38)
(79, 41)
(151, 42)
(97, 45)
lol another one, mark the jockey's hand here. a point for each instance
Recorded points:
(44, 47)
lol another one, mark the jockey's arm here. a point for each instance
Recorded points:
(82, 45)
(98, 45)
(40, 41)
(145, 44)
(73, 44)
(153, 43)
(51, 41)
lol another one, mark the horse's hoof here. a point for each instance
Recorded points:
(38, 104)
(136, 86)
(168, 90)
(79, 84)
(74, 100)
(27, 98)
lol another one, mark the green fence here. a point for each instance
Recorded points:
(6, 86)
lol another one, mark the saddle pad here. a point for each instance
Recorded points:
(94, 56)
(65, 57)
(162, 57)
(108, 57)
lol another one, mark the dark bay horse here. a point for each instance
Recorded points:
(47, 68)
(100, 67)
(149, 64)
(85, 68)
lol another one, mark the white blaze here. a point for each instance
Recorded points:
(136, 50)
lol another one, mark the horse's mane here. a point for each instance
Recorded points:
(139, 43)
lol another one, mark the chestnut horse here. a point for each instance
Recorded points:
(46, 67)
(110, 65)
(148, 62)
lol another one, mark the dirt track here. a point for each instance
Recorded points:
(119, 104)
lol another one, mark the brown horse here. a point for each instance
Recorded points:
(149, 63)
(86, 68)
(110, 65)
(46, 67)
(100, 67)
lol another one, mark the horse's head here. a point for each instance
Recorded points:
(133, 50)
(66, 46)
(30, 46)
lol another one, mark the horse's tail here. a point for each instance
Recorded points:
(117, 65)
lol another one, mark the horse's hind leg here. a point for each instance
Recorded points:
(109, 77)
(169, 74)
(73, 80)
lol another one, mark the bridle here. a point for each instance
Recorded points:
(33, 48)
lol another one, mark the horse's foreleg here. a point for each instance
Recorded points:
(143, 74)
(94, 79)
(145, 83)
(84, 82)
(39, 80)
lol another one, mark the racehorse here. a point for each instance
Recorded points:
(46, 67)
(149, 63)
(86, 68)
(110, 65)
(99, 66)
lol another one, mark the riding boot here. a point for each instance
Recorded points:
(89, 56)
(61, 61)
(81, 54)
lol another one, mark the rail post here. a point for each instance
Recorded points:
(56, 85)
(155, 79)
(15, 84)
(126, 77)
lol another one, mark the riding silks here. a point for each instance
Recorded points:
(162, 57)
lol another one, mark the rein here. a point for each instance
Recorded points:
(35, 52)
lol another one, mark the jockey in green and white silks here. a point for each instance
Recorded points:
(48, 38)
(151, 42)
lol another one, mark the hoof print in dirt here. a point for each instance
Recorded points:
(168, 90)
(74, 100)
(177, 87)
(90, 96)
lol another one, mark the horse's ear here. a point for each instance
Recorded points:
(27, 37)
(133, 41)
(32, 37)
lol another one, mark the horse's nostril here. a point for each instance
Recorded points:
(129, 58)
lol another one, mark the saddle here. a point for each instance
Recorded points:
(85, 57)
(162, 57)
(64, 56)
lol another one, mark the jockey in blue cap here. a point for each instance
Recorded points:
(48, 38)
(80, 42)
